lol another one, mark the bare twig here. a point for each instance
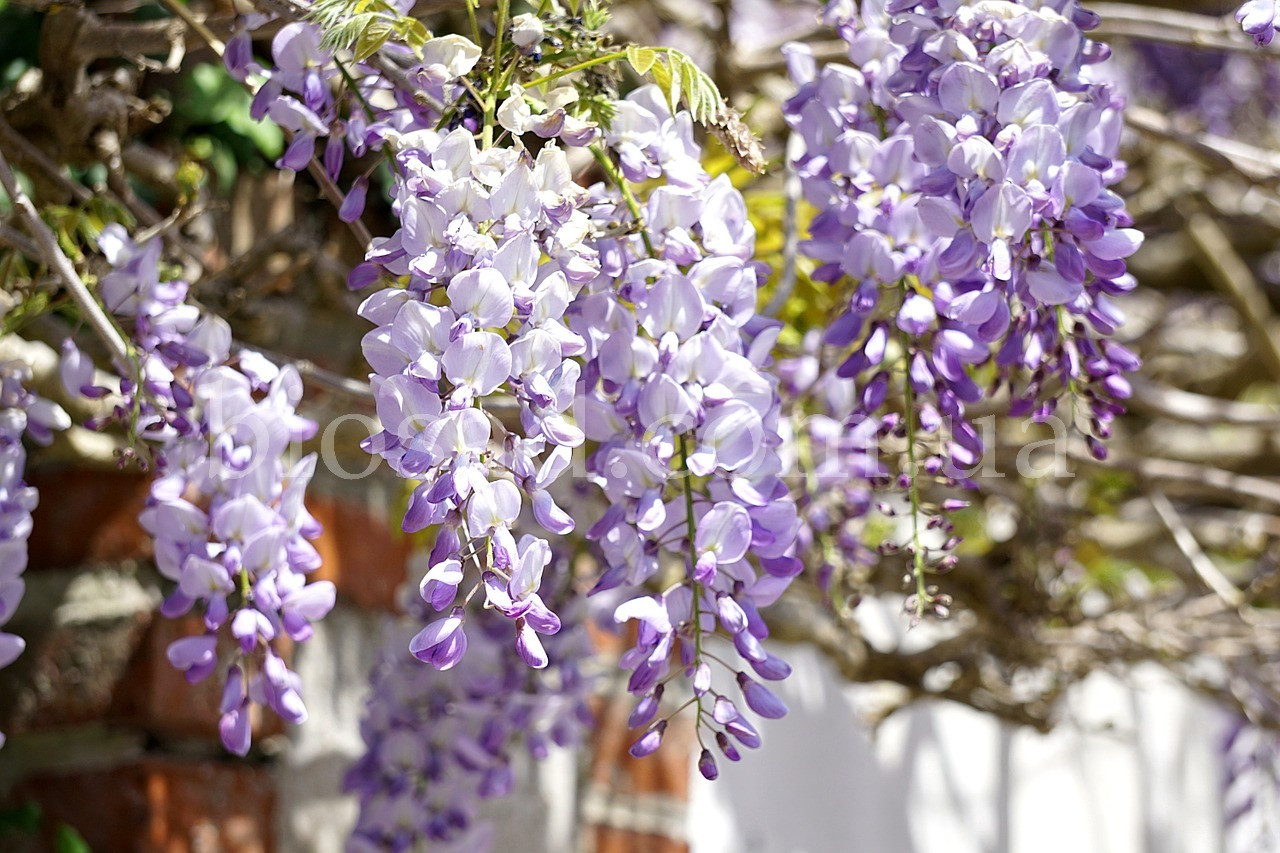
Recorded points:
(772, 59)
(15, 239)
(1232, 276)
(1170, 26)
(33, 155)
(1189, 476)
(51, 253)
(1253, 163)
(1190, 548)
(1201, 409)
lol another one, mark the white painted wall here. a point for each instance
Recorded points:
(1133, 768)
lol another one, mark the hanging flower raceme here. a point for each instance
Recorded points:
(473, 367)
(438, 743)
(225, 510)
(231, 529)
(834, 450)
(21, 413)
(685, 419)
(960, 170)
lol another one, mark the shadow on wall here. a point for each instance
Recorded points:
(1132, 768)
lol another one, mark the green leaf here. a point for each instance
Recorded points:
(641, 58)
(69, 840)
(695, 92)
(595, 16)
(364, 26)
(372, 39)
(681, 80)
(417, 35)
(23, 819)
(662, 77)
(673, 83)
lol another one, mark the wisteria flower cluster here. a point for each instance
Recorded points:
(492, 248)
(226, 513)
(496, 249)
(440, 742)
(507, 295)
(961, 171)
(686, 423)
(21, 413)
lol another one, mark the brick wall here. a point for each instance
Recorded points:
(105, 737)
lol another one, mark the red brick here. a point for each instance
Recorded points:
(118, 673)
(612, 765)
(90, 516)
(86, 516)
(363, 557)
(664, 772)
(70, 674)
(159, 805)
(609, 839)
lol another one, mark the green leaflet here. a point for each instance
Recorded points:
(680, 79)
(364, 26)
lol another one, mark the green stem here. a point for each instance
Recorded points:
(1073, 390)
(490, 108)
(691, 526)
(589, 63)
(475, 25)
(355, 90)
(913, 490)
(495, 82)
(628, 196)
(504, 7)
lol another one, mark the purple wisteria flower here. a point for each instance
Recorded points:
(492, 249)
(684, 417)
(21, 413)
(225, 510)
(1258, 19)
(960, 167)
(440, 742)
